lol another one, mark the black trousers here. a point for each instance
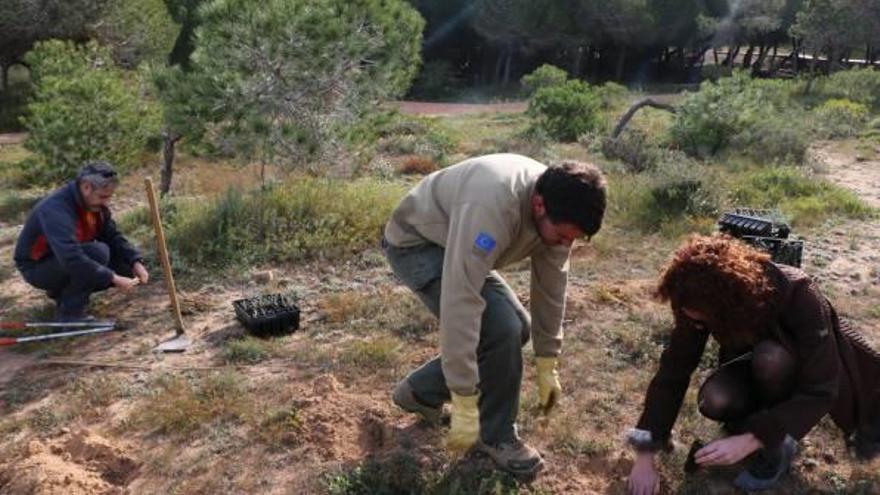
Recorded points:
(72, 293)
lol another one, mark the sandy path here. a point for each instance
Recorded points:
(438, 108)
(859, 175)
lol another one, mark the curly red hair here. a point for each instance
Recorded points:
(724, 279)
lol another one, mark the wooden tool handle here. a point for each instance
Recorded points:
(12, 325)
(8, 340)
(163, 255)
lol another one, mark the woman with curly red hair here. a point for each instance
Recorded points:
(787, 360)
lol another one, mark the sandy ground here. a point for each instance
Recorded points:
(350, 417)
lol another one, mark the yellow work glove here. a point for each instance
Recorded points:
(464, 426)
(549, 388)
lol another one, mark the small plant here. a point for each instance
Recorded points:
(247, 350)
(380, 353)
(400, 474)
(282, 427)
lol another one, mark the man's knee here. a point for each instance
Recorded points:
(97, 251)
(503, 325)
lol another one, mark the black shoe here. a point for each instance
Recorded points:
(767, 467)
(867, 446)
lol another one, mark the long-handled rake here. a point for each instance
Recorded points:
(180, 342)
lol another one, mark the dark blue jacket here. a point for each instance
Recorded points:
(59, 224)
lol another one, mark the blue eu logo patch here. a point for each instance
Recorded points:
(484, 242)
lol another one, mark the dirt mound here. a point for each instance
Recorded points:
(331, 427)
(77, 464)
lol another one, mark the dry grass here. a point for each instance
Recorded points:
(416, 165)
(182, 407)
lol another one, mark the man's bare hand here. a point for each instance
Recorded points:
(124, 283)
(728, 450)
(140, 271)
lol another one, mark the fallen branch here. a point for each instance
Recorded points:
(647, 102)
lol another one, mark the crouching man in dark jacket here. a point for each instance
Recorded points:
(70, 247)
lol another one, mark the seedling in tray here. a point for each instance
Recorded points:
(271, 314)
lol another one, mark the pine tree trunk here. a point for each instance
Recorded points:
(578, 62)
(747, 58)
(759, 63)
(621, 63)
(507, 63)
(731, 56)
(170, 139)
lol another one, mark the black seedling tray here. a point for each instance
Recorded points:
(268, 315)
(742, 222)
(765, 230)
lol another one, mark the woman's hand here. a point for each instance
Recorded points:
(728, 450)
(643, 479)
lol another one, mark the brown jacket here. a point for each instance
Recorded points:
(838, 373)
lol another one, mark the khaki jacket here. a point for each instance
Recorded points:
(480, 211)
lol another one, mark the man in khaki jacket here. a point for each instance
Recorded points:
(444, 241)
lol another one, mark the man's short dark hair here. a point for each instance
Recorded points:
(574, 192)
(100, 174)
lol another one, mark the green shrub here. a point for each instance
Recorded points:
(681, 188)
(15, 205)
(838, 118)
(612, 94)
(390, 132)
(634, 148)
(13, 100)
(706, 121)
(804, 199)
(776, 138)
(754, 118)
(677, 191)
(306, 218)
(858, 85)
(545, 76)
(565, 111)
(83, 109)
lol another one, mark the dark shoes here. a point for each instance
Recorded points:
(514, 457)
(867, 446)
(404, 398)
(768, 467)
